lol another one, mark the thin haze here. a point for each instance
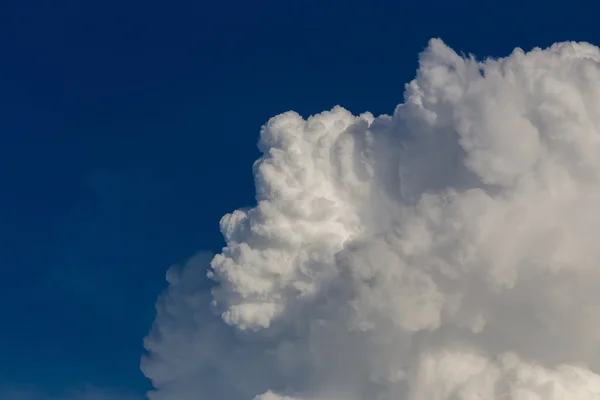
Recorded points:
(446, 252)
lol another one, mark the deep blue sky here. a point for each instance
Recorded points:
(128, 128)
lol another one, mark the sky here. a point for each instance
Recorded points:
(128, 129)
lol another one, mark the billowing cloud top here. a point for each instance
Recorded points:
(446, 252)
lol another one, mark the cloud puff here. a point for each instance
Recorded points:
(446, 252)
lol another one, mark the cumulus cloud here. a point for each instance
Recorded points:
(446, 252)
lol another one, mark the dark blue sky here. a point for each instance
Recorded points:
(128, 128)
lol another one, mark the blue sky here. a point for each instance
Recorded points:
(129, 128)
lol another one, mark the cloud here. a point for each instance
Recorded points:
(446, 252)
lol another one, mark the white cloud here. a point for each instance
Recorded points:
(446, 252)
